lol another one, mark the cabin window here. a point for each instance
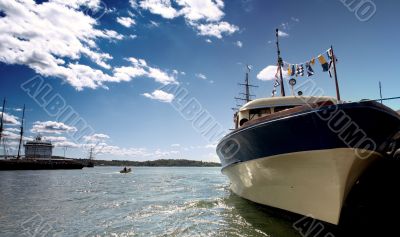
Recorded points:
(258, 113)
(282, 108)
(242, 121)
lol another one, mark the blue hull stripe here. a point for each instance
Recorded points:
(366, 125)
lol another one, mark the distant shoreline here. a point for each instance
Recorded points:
(153, 163)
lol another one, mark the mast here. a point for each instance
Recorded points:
(21, 132)
(280, 63)
(91, 153)
(2, 115)
(380, 91)
(334, 69)
(247, 85)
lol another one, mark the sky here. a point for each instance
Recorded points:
(156, 79)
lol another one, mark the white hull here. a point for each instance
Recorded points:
(314, 183)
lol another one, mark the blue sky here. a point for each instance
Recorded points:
(109, 61)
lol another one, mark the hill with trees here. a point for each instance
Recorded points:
(154, 163)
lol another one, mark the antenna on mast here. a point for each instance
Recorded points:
(21, 133)
(280, 63)
(247, 85)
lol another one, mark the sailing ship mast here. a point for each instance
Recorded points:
(91, 154)
(21, 133)
(247, 85)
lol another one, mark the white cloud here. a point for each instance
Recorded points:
(68, 144)
(139, 68)
(160, 96)
(160, 7)
(61, 142)
(269, 72)
(133, 4)
(285, 26)
(132, 36)
(210, 146)
(44, 36)
(126, 21)
(132, 152)
(54, 139)
(195, 10)
(12, 129)
(10, 119)
(95, 138)
(295, 19)
(175, 145)
(282, 34)
(239, 43)
(201, 76)
(215, 29)
(160, 76)
(52, 127)
(208, 41)
(203, 15)
(9, 135)
(154, 24)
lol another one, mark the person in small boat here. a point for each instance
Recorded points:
(125, 169)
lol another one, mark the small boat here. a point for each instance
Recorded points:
(125, 170)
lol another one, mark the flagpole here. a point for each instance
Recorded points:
(334, 69)
(280, 64)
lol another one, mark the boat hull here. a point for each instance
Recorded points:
(307, 162)
(313, 183)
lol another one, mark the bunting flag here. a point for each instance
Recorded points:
(289, 71)
(301, 70)
(331, 69)
(324, 63)
(310, 71)
(325, 59)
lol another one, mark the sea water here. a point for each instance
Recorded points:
(150, 201)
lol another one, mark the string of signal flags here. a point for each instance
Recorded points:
(301, 69)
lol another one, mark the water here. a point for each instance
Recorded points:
(147, 202)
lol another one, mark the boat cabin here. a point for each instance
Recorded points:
(263, 107)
